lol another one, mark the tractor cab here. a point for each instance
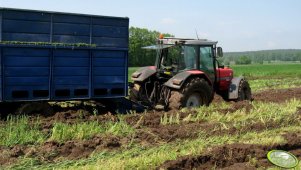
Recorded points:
(175, 55)
(186, 74)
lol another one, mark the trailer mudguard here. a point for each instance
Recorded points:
(233, 88)
(143, 73)
(179, 80)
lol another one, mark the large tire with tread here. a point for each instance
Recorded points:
(244, 91)
(196, 92)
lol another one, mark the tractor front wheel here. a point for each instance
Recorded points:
(197, 92)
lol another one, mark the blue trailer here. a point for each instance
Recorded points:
(52, 56)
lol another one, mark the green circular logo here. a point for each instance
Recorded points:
(282, 159)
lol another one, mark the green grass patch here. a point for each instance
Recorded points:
(281, 114)
(63, 132)
(264, 76)
(20, 130)
(274, 83)
(259, 70)
(268, 70)
(47, 44)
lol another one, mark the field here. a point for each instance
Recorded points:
(225, 135)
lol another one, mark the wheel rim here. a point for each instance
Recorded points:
(193, 100)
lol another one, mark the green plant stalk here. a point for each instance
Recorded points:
(47, 44)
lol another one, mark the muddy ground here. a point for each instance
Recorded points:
(236, 156)
(232, 156)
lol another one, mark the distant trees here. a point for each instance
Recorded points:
(243, 60)
(260, 57)
(141, 37)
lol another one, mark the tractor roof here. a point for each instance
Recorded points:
(187, 41)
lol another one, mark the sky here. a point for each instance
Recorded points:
(238, 25)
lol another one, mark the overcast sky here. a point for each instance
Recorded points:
(238, 25)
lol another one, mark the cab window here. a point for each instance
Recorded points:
(188, 58)
(206, 59)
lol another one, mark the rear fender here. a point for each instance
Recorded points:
(234, 86)
(143, 73)
(180, 79)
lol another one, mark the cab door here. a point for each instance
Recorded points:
(206, 62)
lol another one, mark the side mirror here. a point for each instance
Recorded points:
(220, 52)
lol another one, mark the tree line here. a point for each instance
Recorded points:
(264, 56)
(141, 37)
(138, 38)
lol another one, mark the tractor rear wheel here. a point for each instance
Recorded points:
(244, 91)
(197, 92)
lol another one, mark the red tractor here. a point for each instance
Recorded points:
(186, 74)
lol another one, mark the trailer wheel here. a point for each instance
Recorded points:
(195, 93)
(244, 91)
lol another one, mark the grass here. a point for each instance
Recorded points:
(262, 112)
(47, 44)
(274, 83)
(148, 158)
(19, 131)
(268, 70)
(264, 76)
(255, 71)
(170, 119)
(136, 156)
(62, 132)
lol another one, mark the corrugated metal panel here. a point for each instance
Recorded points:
(41, 26)
(108, 83)
(25, 73)
(70, 73)
(40, 72)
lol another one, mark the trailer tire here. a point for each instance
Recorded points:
(196, 92)
(244, 91)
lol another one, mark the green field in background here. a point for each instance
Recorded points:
(264, 76)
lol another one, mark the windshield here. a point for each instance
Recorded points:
(178, 57)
